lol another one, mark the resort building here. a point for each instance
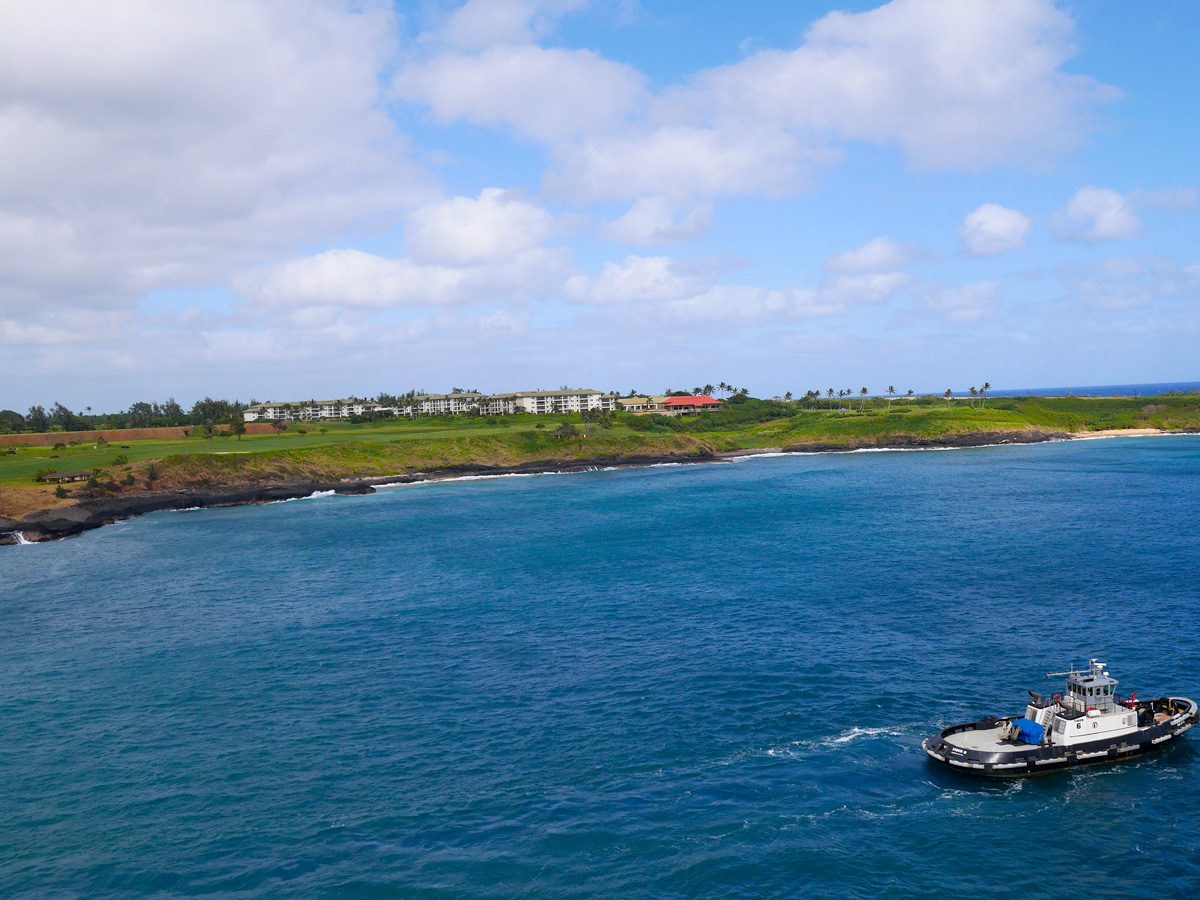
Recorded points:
(536, 402)
(687, 406)
(668, 406)
(633, 404)
(453, 404)
(548, 402)
(500, 405)
(311, 410)
(444, 404)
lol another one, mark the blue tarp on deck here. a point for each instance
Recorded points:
(1031, 732)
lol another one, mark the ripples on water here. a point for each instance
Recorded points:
(705, 681)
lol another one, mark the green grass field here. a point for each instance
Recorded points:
(392, 444)
(23, 463)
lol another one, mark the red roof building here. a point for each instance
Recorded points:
(682, 406)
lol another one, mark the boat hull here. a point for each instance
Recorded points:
(1029, 760)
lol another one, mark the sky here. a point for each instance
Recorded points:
(281, 199)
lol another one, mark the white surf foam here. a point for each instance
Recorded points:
(855, 733)
(21, 540)
(579, 471)
(769, 454)
(313, 496)
(796, 748)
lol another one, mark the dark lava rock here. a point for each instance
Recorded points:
(95, 512)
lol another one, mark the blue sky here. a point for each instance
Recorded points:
(276, 200)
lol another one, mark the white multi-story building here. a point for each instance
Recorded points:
(311, 410)
(548, 402)
(537, 402)
(445, 404)
(500, 405)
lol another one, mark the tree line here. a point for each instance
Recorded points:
(139, 415)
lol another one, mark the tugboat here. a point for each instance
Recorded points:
(1084, 726)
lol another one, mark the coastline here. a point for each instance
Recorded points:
(90, 513)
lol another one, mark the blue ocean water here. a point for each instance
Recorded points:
(1155, 389)
(693, 681)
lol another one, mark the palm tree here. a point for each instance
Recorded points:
(831, 399)
(949, 393)
(708, 390)
(987, 386)
(864, 392)
(891, 392)
(910, 396)
(974, 394)
(788, 396)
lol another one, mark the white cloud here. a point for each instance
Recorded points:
(1172, 199)
(352, 279)
(683, 162)
(461, 231)
(147, 145)
(654, 220)
(688, 290)
(481, 23)
(1100, 214)
(1133, 282)
(743, 305)
(993, 229)
(880, 255)
(964, 305)
(545, 94)
(958, 84)
(872, 289)
(55, 328)
(642, 279)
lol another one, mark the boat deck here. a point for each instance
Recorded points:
(986, 740)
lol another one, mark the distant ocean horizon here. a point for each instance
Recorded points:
(1153, 389)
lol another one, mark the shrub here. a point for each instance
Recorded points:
(60, 492)
(129, 479)
(42, 473)
(120, 459)
(151, 473)
(59, 446)
(92, 482)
